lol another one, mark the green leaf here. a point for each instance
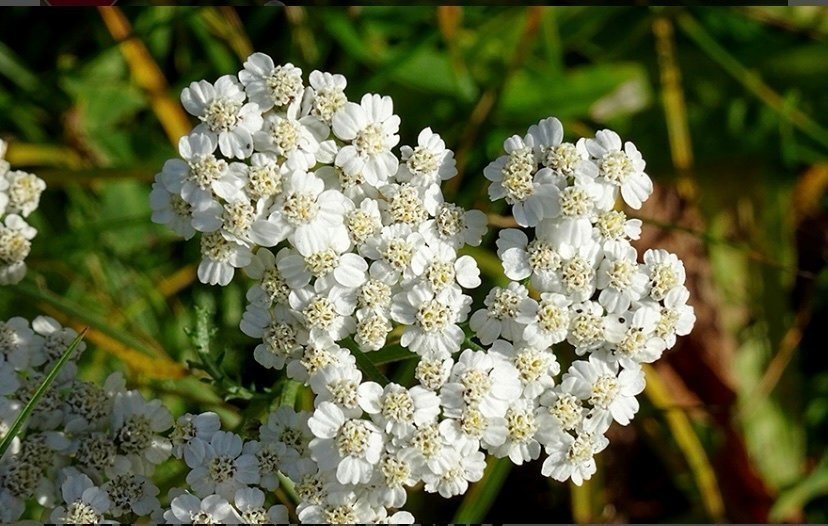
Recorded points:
(431, 71)
(365, 364)
(12, 68)
(792, 500)
(533, 92)
(483, 493)
(394, 353)
(38, 394)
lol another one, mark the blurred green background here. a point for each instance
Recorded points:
(728, 105)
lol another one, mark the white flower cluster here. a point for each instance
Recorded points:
(88, 453)
(85, 450)
(353, 249)
(19, 197)
(589, 291)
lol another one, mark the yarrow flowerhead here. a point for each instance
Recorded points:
(352, 249)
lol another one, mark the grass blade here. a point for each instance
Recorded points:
(38, 394)
(750, 80)
(688, 442)
(147, 74)
(482, 494)
(151, 360)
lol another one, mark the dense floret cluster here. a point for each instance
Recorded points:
(19, 196)
(353, 252)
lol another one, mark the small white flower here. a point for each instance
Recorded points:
(610, 393)
(406, 203)
(631, 336)
(371, 128)
(521, 426)
(290, 428)
(264, 176)
(500, 318)
(395, 471)
(271, 289)
(620, 278)
(250, 503)
(315, 355)
(324, 314)
(282, 336)
(189, 428)
(130, 493)
(337, 507)
(15, 245)
(455, 226)
(86, 503)
(23, 192)
(546, 321)
(18, 342)
(328, 92)
(372, 328)
(532, 193)
(339, 386)
(327, 260)
(479, 380)
(219, 466)
(612, 226)
(475, 427)
(665, 272)
(431, 320)
(578, 204)
(295, 139)
(552, 152)
(55, 340)
(224, 115)
(428, 450)
(352, 446)
(432, 373)
(676, 317)
(393, 250)
(559, 412)
(200, 175)
(306, 209)
(586, 327)
(427, 163)
(575, 278)
(269, 85)
(136, 430)
(396, 409)
(538, 259)
(536, 366)
(86, 406)
(572, 457)
(363, 222)
(189, 509)
(168, 208)
(220, 257)
(622, 168)
(439, 267)
(463, 465)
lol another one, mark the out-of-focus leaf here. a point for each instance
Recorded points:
(13, 69)
(792, 500)
(533, 93)
(772, 436)
(430, 70)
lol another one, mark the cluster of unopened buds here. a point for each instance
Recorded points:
(352, 250)
(19, 196)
